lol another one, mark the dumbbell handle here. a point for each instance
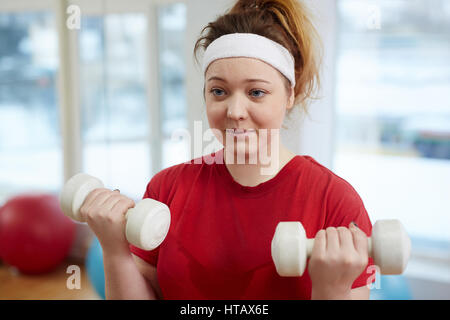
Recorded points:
(310, 246)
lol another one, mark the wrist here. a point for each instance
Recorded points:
(331, 293)
(116, 250)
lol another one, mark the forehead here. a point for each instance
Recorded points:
(240, 67)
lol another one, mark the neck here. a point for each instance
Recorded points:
(253, 174)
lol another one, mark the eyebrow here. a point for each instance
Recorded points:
(245, 80)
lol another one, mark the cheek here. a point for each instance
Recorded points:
(215, 115)
(214, 112)
(267, 116)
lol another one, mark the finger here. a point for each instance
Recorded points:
(92, 200)
(360, 241)
(345, 239)
(123, 205)
(112, 194)
(100, 200)
(332, 240)
(111, 202)
(101, 204)
(91, 197)
(320, 243)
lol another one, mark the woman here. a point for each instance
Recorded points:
(260, 62)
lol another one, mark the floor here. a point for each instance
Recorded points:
(49, 286)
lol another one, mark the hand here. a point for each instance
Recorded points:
(104, 211)
(338, 257)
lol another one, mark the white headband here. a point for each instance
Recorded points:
(251, 45)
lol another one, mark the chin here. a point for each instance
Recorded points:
(244, 151)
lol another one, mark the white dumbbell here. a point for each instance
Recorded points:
(147, 223)
(389, 246)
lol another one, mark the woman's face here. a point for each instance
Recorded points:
(245, 93)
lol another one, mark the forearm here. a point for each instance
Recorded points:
(123, 279)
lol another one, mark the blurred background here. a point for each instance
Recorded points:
(100, 86)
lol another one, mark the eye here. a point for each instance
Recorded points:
(216, 90)
(258, 96)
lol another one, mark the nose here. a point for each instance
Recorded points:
(236, 109)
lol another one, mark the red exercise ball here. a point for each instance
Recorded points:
(35, 235)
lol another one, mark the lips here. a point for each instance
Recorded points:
(239, 130)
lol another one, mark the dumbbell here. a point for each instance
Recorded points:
(147, 223)
(389, 246)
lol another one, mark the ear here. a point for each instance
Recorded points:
(291, 98)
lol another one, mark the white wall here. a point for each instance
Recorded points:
(317, 133)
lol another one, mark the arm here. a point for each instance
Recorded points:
(343, 206)
(361, 293)
(149, 272)
(104, 211)
(123, 279)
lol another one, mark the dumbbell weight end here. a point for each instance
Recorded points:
(153, 217)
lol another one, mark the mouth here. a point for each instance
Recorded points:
(239, 131)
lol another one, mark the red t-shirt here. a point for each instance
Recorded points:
(219, 240)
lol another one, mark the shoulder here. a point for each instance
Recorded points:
(172, 177)
(335, 188)
(166, 177)
(316, 167)
(169, 174)
(320, 171)
(341, 203)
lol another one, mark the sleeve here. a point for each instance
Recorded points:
(344, 205)
(152, 191)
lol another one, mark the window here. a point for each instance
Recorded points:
(30, 144)
(113, 84)
(393, 110)
(112, 53)
(171, 35)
